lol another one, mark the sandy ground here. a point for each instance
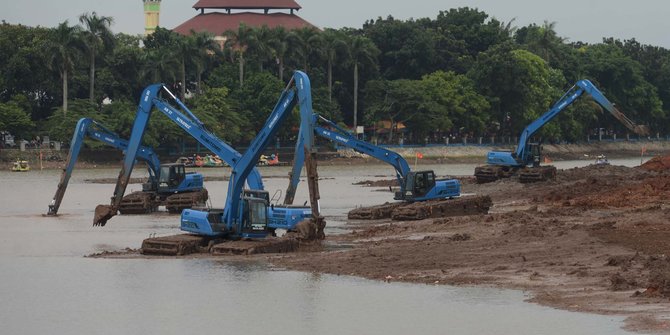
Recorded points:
(593, 240)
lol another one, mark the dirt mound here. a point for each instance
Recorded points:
(658, 164)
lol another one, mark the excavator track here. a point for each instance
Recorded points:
(260, 246)
(491, 173)
(537, 174)
(138, 203)
(425, 209)
(177, 202)
(175, 245)
(186, 244)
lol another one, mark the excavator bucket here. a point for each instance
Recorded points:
(102, 214)
(642, 130)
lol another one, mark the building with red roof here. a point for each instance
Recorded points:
(253, 13)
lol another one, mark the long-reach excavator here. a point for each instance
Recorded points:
(246, 213)
(414, 185)
(244, 216)
(421, 195)
(526, 158)
(280, 216)
(169, 184)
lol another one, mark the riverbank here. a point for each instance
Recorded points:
(593, 240)
(474, 154)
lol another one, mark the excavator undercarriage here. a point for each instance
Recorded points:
(491, 173)
(146, 202)
(468, 205)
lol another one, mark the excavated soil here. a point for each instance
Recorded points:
(595, 239)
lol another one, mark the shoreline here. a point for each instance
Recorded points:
(455, 154)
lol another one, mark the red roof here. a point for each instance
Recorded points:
(217, 23)
(247, 4)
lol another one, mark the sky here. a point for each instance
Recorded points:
(577, 20)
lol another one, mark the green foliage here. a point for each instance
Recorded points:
(60, 126)
(213, 109)
(409, 71)
(407, 50)
(520, 86)
(255, 101)
(439, 102)
(14, 118)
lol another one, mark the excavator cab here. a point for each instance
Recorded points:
(210, 221)
(254, 217)
(417, 185)
(171, 177)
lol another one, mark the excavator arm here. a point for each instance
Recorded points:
(502, 164)
(87, 127)
(184, 118)
(342, 137)
(298, 91)
(576, 91)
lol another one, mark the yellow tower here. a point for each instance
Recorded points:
(152, 11)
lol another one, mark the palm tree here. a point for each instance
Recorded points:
(304, 42)
(547, 41)
(333, 46)
(282, 43)
(63, 48)
(362, 52)
(239, 41)
(159, 64)
(260, 45)
(203, 46)
(97, 36)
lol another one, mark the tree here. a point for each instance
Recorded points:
(333, 47)
(61, 126)
(407, 49)
(520, 87)
(260, 45)
(303, 45)
(431, 105)
(14, 119)
(160, 64)
(238, 41)
(280, 43)
(255, 99)
(204, 46)
(96, 37)
(214, 109)
(541, 40)
(64, 48)
(621, 80)
(363, 53)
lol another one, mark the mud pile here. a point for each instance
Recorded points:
(402, 211)
(658, 164)
(593, 239)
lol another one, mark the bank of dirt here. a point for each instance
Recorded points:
(596, 239)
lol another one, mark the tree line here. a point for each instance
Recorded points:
(462, 73)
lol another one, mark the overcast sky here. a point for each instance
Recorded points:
(578, 20)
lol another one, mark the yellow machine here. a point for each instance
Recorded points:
(20, 166)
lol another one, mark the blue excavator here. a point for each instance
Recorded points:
(244, 214)
(414, 185)
(152, 99)
(525, 160)
(168, 184)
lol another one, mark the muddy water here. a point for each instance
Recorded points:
(48, 287)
